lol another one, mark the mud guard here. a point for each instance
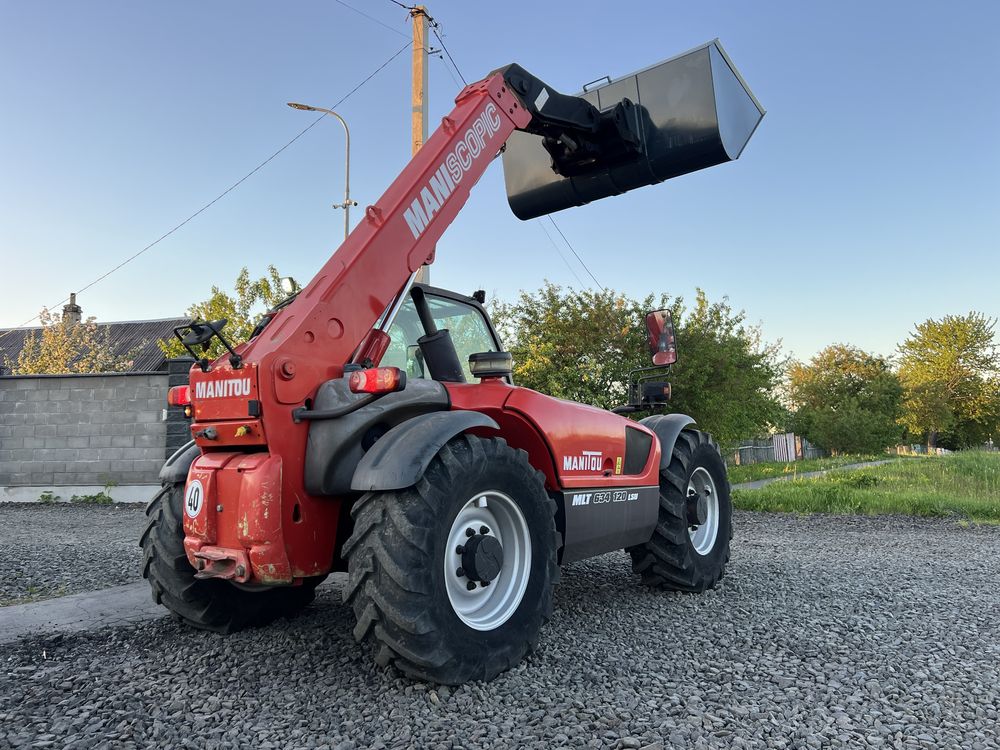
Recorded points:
(667, 427)
(399, 458)
(177, 466)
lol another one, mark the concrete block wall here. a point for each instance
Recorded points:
(73, 430)
(178, 429)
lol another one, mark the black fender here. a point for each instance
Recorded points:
(177, 466)
(336, 447)
(401, 456)
(667, 427)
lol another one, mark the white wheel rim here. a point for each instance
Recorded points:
(488, 607)
(703, 536)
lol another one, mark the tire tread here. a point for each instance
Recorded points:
(667, 560)
(388, 560)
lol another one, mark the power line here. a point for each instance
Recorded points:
(228, 190)
(560, 253)
(373, 19)
(434, 27)
(570, 245)
(448, 69)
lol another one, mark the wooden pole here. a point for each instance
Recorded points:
(420, 28)
(419, 97)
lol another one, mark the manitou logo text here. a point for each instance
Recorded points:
(442, 183)
(586, 461)
(222, 388)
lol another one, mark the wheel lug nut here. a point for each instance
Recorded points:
(470, 585)
(483, 530)
(460, 572)
(460, 550)
(470, 532)
(485, 584)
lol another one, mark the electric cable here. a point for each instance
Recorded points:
(570, 246)
(434, 27)
(448, 69)
(559, 252)
(226, 192)
(373, 19)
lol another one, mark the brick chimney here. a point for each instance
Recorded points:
(72, 312)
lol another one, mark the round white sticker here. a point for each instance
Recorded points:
(194, 498)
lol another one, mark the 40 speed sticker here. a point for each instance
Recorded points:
(194, 498)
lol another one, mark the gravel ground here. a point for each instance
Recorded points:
(58, 549)
(828, 632)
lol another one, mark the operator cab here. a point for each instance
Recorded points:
(463, 317)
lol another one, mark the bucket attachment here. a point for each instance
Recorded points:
(691, 111)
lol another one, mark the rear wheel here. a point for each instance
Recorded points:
(209, 604)
(452, 578)
(690, 546)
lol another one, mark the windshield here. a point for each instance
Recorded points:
(469, 332)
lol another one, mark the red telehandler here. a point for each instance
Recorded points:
(370, 424)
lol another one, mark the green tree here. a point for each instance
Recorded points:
(242, 308)
(63, 346)
(950, 370)
(846, 400)
(582, 346)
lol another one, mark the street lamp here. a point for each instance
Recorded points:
(346, 205)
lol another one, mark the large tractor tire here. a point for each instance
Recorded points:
(690, 546)
(451, 579)
(209, 604)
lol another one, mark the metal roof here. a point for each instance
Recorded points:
(123, 336)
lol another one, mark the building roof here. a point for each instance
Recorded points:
(124, 336)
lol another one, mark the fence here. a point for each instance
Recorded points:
(784, 447)
(83, 431)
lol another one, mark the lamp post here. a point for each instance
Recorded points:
(346, 205)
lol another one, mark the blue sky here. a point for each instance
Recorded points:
(869, 198)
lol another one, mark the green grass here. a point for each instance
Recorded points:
(34, 594)
(751, 472)
(962, 485)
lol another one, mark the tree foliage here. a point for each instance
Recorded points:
(582, 346)
(950, 370)
(242, 308)
(846, 400)
(63, 346)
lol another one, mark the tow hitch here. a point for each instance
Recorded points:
(219, 562)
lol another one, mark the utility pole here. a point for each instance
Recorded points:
(419, 88)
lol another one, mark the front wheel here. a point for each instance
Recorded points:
(452, 578)
(690, 546)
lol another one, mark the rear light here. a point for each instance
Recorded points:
(377, 380)
(179, 395)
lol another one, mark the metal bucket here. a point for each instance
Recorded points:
(695, 109)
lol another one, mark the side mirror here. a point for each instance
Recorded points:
(414, 362)
(662, 346)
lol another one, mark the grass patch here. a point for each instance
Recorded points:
(751, 472)
(34, 594)
(962, 485)
(100, 498)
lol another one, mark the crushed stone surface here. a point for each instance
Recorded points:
(56, 549)
(827, 632)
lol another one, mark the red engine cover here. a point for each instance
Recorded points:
(585, 445)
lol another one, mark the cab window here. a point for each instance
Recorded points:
(469, 332)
